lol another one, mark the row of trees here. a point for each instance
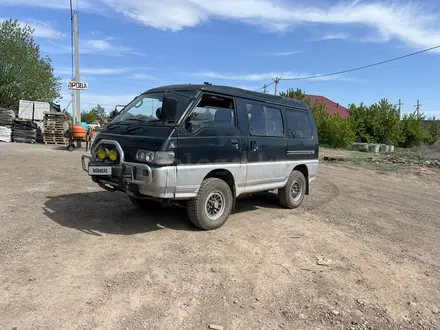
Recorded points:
(378, 123)
(24, 74)
(98, 114)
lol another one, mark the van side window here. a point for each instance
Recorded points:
(298, 124)
(212, 110)
(265, 121)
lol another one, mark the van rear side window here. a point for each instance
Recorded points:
(298, 124)
(265, 121)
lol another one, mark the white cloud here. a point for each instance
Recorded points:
(142, 76)
(54, 4)
(91, 46)
(390, 20)
(98, 44)
(94, 71)
(333, 36)
(267, 76)
(101, 45)
(108, 101)
(41, 29)
(286, 53)
(416, 24)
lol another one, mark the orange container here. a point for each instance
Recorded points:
(79, 131)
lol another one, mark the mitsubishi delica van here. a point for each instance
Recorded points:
(202, 146)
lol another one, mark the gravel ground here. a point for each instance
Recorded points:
(361, 253)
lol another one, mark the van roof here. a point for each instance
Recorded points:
(233, 91)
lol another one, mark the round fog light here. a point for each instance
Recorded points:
(101, 153)
(113, 155)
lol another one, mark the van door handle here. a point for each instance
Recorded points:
(254, 146)
(235, 143)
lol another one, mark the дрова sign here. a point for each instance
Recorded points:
(76, 85)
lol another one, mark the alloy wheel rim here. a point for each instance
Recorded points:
(215, 205)
(296, 190)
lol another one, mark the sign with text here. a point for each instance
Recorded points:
(76, 85)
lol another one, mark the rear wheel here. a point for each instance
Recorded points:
(144, 204)
(212, 206)
(292, 195)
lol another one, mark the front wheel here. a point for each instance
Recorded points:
(292, 195)
(212, 206)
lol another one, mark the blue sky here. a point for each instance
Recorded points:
(128, 46)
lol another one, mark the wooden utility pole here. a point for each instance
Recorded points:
(400, 106)
(77, 111)
(277, 80)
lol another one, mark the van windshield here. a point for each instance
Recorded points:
(146, 108)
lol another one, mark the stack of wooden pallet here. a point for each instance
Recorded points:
(55, 127)
(6, 122)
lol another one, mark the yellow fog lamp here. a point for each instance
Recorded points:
(113, 155)
(102, 153)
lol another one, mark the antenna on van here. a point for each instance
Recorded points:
(207, 83)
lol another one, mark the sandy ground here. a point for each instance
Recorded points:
(361, 253)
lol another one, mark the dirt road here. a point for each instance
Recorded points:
(362, 252)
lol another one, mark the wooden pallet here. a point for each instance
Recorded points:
(57, 141)
(55, 125)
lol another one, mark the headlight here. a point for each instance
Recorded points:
(113, 155)
(102, 153)
(155, 157)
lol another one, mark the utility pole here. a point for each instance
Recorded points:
(400, 106)
(418, 105)
(277, 80)
(265, 88)
(77, 108)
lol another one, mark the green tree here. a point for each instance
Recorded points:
(378, 123)
(99, 113)
(113, 114)
(24, 74)
(433, 128)
(296, 94)
(88, 117)
(333, 131)
(413, 130)
(360, 122)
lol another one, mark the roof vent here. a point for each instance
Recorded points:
(337, 105)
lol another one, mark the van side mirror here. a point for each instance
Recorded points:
(169, 109)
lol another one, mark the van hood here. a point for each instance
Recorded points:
(150, 138)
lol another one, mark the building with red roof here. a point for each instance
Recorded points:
(331, 107)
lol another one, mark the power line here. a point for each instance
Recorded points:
(356, 69)
(365, 66)
(265, 85)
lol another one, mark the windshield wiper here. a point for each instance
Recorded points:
(147, 123)
(125, 122)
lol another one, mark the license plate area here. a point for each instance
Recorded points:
(100, 170)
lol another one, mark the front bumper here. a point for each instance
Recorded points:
(136, 179)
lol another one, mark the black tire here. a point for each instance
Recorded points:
(218, 192)
(288, 199)
(144, 204)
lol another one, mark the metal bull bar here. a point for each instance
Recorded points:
(122, 165)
